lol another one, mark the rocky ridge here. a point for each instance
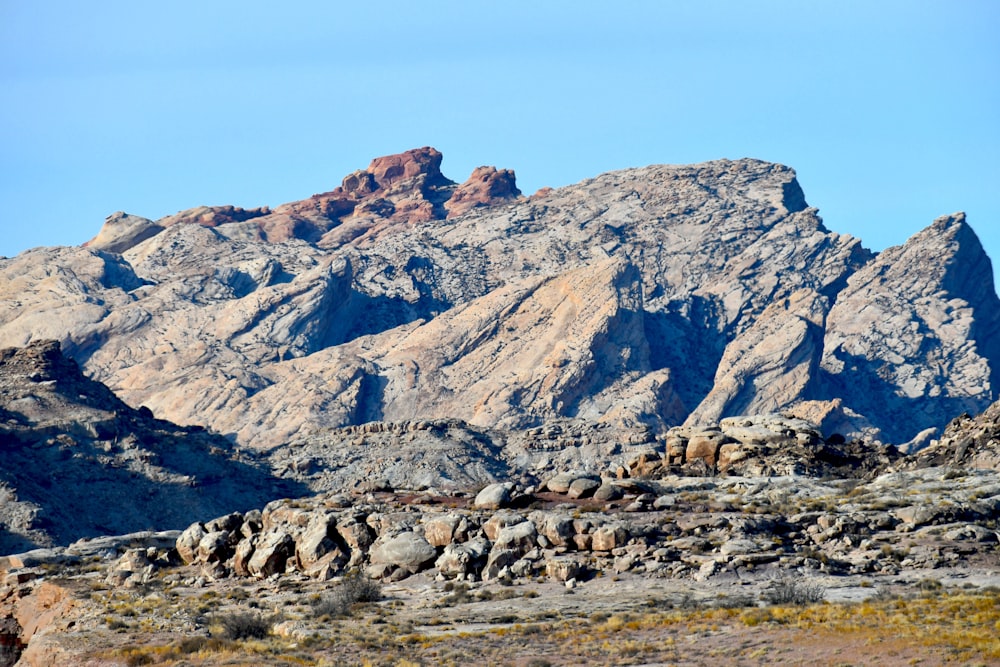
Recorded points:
(78, 462)
(649, 297)
(675, 376)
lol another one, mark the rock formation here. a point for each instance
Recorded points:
(78, 462)
(968, 442)
(645, 298)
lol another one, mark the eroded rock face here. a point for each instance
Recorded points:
(917, 332)
(644, 298)
(486, 187)
(665, 526)
(121, 231)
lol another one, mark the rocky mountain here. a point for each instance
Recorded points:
(640, 299)
(78, 462)
(667, 386)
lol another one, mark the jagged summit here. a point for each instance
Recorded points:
(405, 188)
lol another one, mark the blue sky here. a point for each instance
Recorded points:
(889, 111)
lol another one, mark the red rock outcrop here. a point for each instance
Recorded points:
(213, 216)
(395, 191)
(392, 169)
(486, 186)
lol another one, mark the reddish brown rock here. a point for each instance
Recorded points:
(213, 216)
(486, 186)
(391, 169)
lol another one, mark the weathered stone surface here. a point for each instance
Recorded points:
(494, 496)
(583, 487)
(607, 492)
(120, 469)
(271, 554)
(915, 334)
(486, 187)
(564, 568)
(967, 441)
(187, 543)
(358, 536)
(242, 554)
(463, 559)
(443, 530)
(520, 537)
(501, 520)
(499, 563)
(705, 446)
(556, 528)
(122, 231)
(481, 284)
(316, 541)
(408, 551)
(609, 537)
(636, 300)
(214, 547)
(560, 483)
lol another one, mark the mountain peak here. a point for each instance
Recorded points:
(390, 169)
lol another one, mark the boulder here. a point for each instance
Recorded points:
(498, 561)
(356, 535)
(501, 520)
(607, 492)
(441, 531)
(494, 496)
(316, 541)
(609, 537)
(407, 551)
(463, 559)
(271, 554)
(242, 554)
(215, 547)
(705, 446)
(562, 569)
(187, 543)
(584, 487)
(556, 528)
(561, 482)
(520, 537)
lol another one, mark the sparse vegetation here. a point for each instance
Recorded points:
(355, 588)
(792, 592)
(237, 626)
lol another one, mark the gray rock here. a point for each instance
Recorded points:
(583, 487)
(441, 531)
(560, 483)
(520, 537)
(564, 568)
(463, 559)
(408, 551)
(187, 543)
(494, 496)
(607, 492)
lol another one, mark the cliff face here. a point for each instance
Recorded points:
(645, 297)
